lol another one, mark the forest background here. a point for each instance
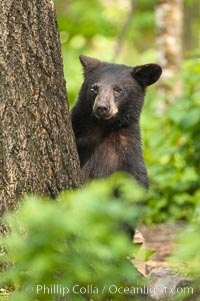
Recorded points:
(132, 33)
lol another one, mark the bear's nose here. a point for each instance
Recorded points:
(102, 110)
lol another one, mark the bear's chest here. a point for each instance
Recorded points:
(111, 147)
(104, 155)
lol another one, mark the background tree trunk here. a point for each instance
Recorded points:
(169, 23)
(37, 149)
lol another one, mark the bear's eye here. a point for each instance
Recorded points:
(94, 88)
(117, 89)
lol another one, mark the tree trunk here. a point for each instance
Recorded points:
(169, 23)
(37, 148)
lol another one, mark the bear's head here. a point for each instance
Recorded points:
(115, 90)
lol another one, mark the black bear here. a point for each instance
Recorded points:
(106, 117)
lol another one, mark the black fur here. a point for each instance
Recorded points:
(108, 145)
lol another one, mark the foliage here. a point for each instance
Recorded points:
(186, 256)
(172, 148)
(4, 295)
(76, 240)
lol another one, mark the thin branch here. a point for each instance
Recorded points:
(124, 30)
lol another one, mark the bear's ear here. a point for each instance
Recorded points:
(89, 63)
(147, 74)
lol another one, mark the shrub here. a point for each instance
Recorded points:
(73, 242)
(172, 148)
(186, 256)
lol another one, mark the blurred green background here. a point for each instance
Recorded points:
(95, 27)
(125, 31)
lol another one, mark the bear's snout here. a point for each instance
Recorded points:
(102, 111)
(104, 106)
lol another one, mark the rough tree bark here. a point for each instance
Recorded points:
(169, 23)
(37, 149)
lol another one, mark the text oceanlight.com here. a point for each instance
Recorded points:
(60, 290)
